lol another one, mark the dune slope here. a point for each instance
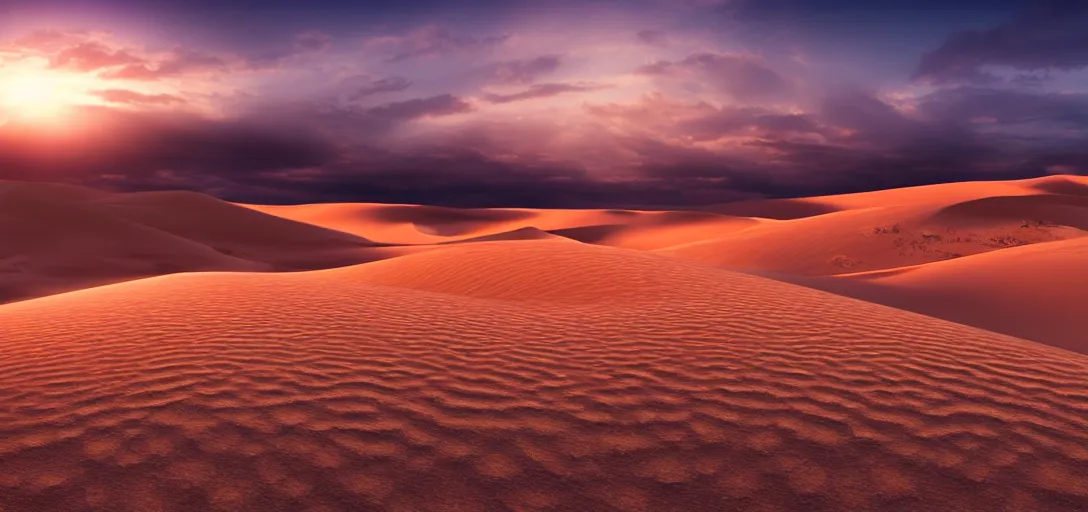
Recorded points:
(238, 231)
(1036, 292)
(51, 243)
(57, 238)
(884, 237)
(524, 375)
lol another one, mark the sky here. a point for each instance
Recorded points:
(588, 103)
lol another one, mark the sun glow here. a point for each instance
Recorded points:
(40, 95)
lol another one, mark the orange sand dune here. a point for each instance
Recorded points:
(401, 224)
(238, 231)
(884, 237)
(524, 375)
(656, 230)
(945, 193)
(517, 234)
(1036, 292)
(416, 224)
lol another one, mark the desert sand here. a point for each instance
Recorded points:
(914, 349)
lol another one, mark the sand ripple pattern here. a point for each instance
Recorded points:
(524, 376)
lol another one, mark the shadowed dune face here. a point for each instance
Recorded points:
(239, 231)
(1069, 185)
(777, 209)
(1048, 209)
(442, 221)
(426, 383)
(51, 244)
(59, 238)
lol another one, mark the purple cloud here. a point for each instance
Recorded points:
(1053, 35)
(524, 71)
(433, 41)
(652, 37)
(435, 106)
(91, 57)
(312, 41)
(743, 77)
(125, 96)
(538, 91)
(371, 87)
(181, 61)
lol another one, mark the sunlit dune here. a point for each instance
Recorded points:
(416, 224)
(524, 375)
(945, 222)
(1036, 292)
(945, 193)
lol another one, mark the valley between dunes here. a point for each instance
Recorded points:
(918, 349)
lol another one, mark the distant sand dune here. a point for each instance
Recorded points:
(880, 237)
(947, 193)
(524, 375)
(52, 243)
(238, 231)
(59, 238)
(1036, 292)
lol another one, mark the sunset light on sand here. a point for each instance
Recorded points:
(569, 256)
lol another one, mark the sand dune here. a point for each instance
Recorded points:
(403, 224)
(56, 238)
(519, 376)
(945, 193)
(53, 243)
(416, 224)
(882, 237)
(1036, 292)
(238, 231)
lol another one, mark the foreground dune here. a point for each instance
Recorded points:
(524, 375)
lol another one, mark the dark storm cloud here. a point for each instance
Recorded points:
(538, 91)
(1006, 107)
(1051, 35)
(137, 145)
(819, 11)
(523, 71)
(717, 124)
(460, 177)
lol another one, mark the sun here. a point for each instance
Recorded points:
(39, 95)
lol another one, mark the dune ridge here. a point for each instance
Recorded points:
(1035, 292)
(426, 383)
(58, 238)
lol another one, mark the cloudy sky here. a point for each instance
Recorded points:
(633, 103)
